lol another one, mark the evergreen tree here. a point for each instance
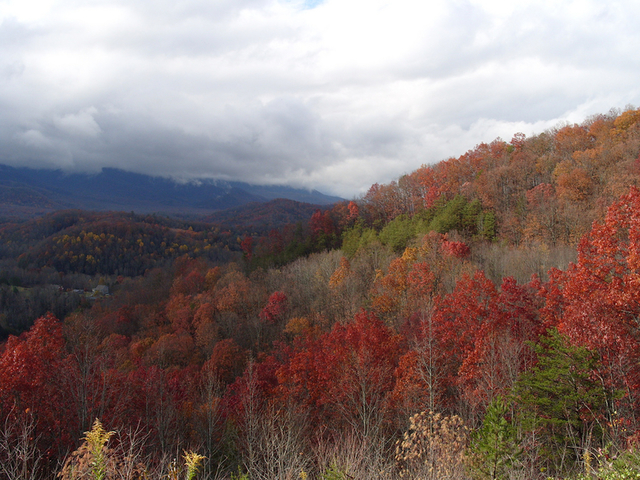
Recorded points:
(495, 449)
(563, 400)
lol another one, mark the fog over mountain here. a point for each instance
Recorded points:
(26, 192)
(330, 95)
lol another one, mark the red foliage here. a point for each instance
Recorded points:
(189, 284)
(344, 375)
(180, 311)
(173, 349)
(421, 280)
(275, 309)
(432, 185)
(248, 394)
(276, 242)
(540, 195)
(461, 313)
(596, 302)
(410, 393)
(354, 211)
(321, 223)
(388, 290)
(33, 372)
(518, 140)
(455, 249)
(226, 361)
(247, 247)
(501, 351)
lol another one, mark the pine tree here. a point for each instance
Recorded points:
(564, 400)
(494, 446)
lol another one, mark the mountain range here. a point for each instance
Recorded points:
(26, 192)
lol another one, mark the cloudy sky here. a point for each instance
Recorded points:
(326, 94)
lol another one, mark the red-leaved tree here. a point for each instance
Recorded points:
(599, 302)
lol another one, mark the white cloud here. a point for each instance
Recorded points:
(81, 123)
(333, 95)
(34, 138)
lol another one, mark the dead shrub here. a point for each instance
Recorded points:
(433, 448)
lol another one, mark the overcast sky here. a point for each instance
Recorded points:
(333, 95)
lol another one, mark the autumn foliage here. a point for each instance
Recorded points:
(453, 294)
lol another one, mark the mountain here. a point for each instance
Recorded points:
(26, 192)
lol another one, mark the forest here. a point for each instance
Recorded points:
(478, 318)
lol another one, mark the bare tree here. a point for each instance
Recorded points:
(20, 458)
(210, 416)
(430, 361)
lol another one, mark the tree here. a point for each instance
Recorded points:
(543, 221)
(20, 457)
(397, 233)
(563, 400)
(500, 352)
(494, 446)
(597, 300)
(389, 291)
(275, 309)
(459, 319)
(342, 378)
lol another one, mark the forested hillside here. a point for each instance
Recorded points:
(477, 318)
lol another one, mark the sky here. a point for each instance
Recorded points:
(333, 95)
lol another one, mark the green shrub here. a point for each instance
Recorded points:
(333, 472)
(625, 467)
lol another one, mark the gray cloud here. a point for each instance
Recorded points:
(333, 95)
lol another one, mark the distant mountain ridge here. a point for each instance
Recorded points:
(26, 192)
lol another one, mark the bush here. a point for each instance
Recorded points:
(433, 448)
